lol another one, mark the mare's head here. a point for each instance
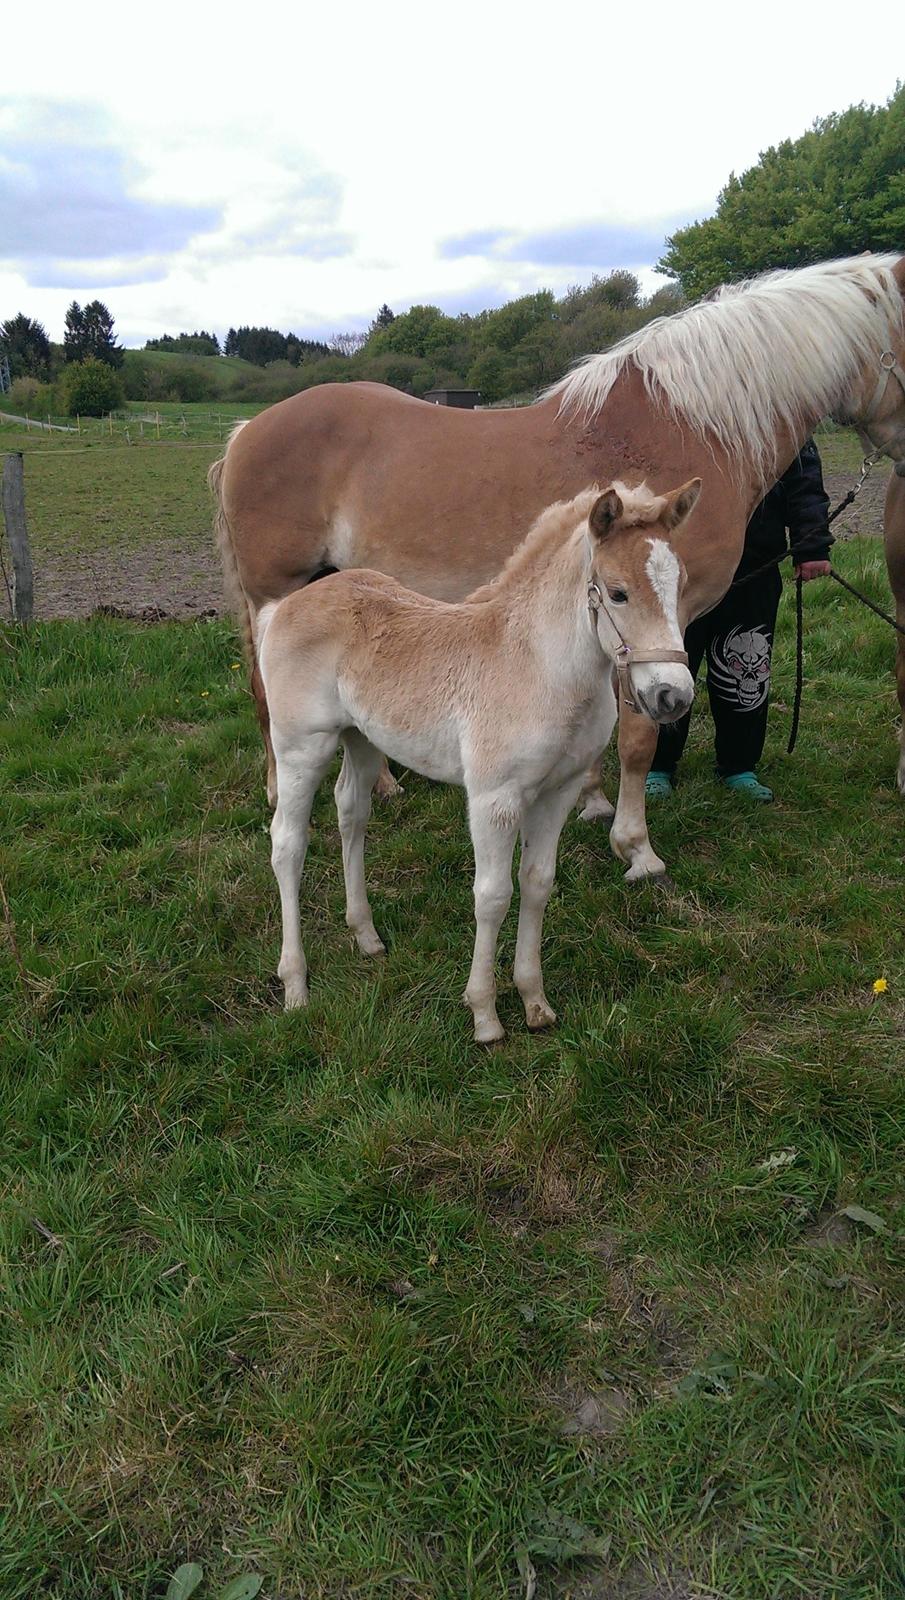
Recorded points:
(876, 406)
(636, 588)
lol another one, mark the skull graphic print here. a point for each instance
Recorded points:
(740, 667)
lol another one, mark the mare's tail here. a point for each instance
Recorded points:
(232, 582)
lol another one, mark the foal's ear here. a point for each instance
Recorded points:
(605, 513)
(681, 503)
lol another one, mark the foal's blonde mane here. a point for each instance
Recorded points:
(550, 531)
(769, 352)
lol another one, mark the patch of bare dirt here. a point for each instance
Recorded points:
(864, 515)
(635, 1584)
(151, 585)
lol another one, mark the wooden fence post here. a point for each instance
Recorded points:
(17, 535)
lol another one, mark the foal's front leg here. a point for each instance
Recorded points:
(541, 828)
(493, 822)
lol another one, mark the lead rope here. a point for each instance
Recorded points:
(799, 664)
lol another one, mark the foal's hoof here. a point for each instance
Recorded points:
(371, 944)
(597, 808)
(539, 1017)
(489, 1032)
(296, 998)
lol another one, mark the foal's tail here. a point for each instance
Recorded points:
(232, 582)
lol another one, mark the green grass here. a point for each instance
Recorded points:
(321, 1290)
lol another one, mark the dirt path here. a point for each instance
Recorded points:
(183, 580)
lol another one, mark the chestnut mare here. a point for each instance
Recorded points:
(360, 475)
(511, 697)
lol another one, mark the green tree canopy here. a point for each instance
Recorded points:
(836, 191)
(27, 347)
(92, 388)
(89, 333)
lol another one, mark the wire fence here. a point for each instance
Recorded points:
(155, 425)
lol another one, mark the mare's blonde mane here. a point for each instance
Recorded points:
(760, 354)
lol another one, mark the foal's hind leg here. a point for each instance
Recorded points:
(360, 767)
(263, 711)
(541, 828)
(299, 773)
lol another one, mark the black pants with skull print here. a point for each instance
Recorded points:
(737, 639)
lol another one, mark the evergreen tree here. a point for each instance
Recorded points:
(74, 337)
(89, 333)
(383, 319)
(27, 347)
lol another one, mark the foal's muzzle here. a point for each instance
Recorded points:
(666, 704)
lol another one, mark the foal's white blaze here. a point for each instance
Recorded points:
(654, 677)
(662, 568)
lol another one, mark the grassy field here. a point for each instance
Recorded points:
(347, 1300)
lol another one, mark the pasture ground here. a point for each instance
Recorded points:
(610, 1312)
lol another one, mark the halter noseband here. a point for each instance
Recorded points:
(625, 657)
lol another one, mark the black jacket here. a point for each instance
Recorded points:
(797, 502)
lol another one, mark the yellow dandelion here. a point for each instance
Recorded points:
(234, 666)
(880, 986)
(205, 693)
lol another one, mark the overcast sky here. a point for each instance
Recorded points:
(200, 166)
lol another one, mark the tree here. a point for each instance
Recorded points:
(92, 388)
(89, 333)
(27, 347)
(383, 319)
(347, 344)
(837, 190)
(418, 332)
(187, 344)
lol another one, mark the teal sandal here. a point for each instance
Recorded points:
(658, 785)
(748, 783)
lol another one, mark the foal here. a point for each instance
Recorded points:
(510, 695)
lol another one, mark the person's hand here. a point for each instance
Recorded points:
(812, 569)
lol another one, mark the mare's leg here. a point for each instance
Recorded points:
(628, 835)
(895, 561)
(493, 824)
(299, 773)
(361, 765)
(261, 707)
(541, 828)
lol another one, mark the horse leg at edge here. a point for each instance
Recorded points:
(541, 829)
(299, 773)
(352, 793)
(629, 838)
(493, 823)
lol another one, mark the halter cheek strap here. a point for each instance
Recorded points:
(890, 367)
(624, 657)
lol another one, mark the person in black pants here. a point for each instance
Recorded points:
(737, 635)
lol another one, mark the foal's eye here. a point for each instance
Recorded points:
(618, 596)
